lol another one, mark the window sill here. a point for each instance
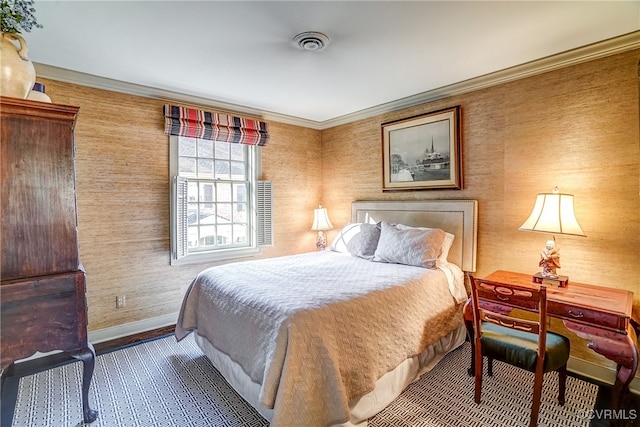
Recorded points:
(213, 256)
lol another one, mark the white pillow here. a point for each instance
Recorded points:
(409, 245)
(446, 246)
(446, 243)
(357, 239)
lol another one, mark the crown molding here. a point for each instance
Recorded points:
(97, 82)
(572, 57)
(565, 59)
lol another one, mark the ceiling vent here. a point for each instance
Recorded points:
(311, 40)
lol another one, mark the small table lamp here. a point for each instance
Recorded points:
(321, 223)
(552, 213)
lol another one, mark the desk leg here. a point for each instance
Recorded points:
(619, 348)
(468, 323)
(88, 357)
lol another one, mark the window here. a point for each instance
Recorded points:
(218, 208)
(213, 199)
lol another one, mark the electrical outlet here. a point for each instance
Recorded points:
(121, 301)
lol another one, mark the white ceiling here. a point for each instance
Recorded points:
(241, 53)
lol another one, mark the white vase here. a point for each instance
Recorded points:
(17, 74)
(37, 93)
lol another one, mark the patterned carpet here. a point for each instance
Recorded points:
(163, 383)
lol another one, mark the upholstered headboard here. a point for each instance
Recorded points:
(458, 217)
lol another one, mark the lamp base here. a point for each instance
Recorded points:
(321, 243)
(557, 281)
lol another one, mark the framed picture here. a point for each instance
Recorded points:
(422, 152)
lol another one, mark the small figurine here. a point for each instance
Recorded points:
(550, 259)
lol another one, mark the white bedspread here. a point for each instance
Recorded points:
(317, 330)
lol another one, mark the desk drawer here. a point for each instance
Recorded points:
(589, 316)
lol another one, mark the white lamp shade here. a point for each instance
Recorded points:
(553, 213)
(321, 220)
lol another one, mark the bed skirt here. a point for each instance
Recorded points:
(387, 388)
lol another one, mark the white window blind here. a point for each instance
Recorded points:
(264, 210)
(180, 249)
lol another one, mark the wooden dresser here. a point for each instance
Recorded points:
(42, 288)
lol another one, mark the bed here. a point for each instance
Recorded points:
(332, 337)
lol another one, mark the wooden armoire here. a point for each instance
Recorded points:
(42, 287)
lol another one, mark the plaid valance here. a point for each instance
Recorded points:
(194, 123)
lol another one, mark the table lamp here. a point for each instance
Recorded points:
(321, 223)
(552, 213)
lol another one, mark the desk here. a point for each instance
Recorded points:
(598, 314)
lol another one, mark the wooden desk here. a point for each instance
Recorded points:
(598, 314)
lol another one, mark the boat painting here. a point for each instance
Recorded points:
(422, 152)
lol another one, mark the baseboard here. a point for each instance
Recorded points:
(599, 373)
(133, 328)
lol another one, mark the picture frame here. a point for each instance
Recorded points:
(423, 152)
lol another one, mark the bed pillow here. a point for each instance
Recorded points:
(447, 242)
(339, 243)
(408, 245)
(357, 239)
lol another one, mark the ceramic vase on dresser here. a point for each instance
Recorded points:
(17, 74)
